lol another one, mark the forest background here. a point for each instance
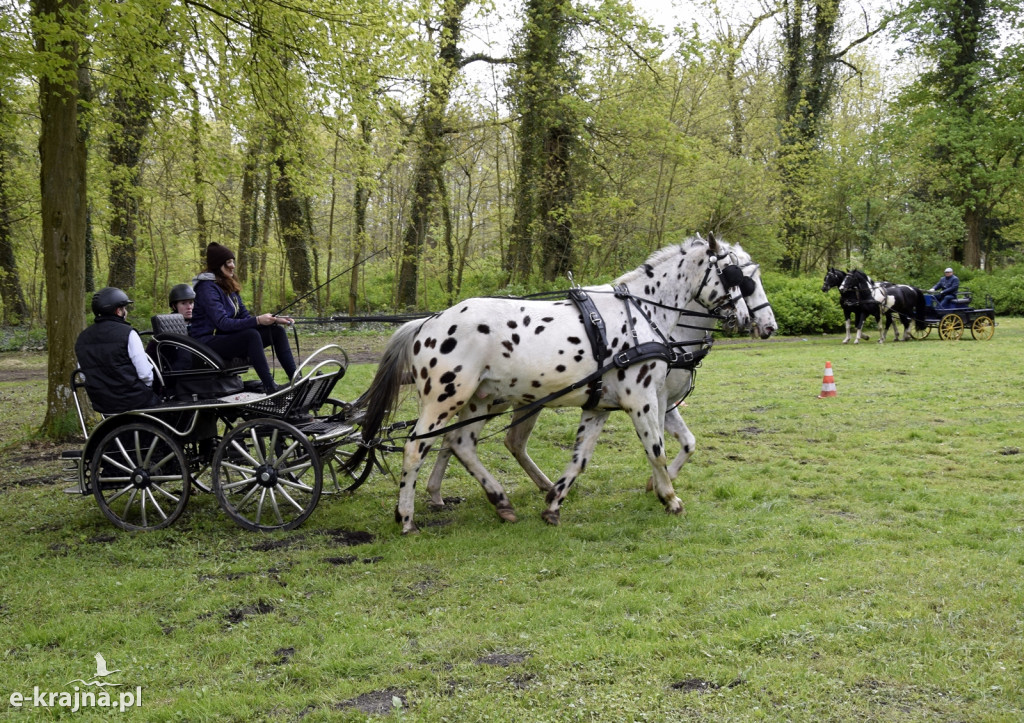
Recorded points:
(413, 152)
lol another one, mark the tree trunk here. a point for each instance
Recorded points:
(547, 132)
(15, 308)
(291, 213)
(247, 215)
(974, 221)
(62, 181)
(130, 114)
(196, 127)
(432, 153)
(360, 203)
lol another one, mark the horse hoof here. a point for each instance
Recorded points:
(410, 530)
(552, 518)
(650, 484)
(436, 506)
(674, 507)
(507, 514)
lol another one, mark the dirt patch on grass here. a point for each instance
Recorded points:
(237, 615)
(377, 702)
(699, 685)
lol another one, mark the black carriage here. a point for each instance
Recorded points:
(952, 320)
(264, 456)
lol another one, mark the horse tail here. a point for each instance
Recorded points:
(380, 398)
(920, 310)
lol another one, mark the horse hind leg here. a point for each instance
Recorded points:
(444, 455)
(515, 442)
(675, 425)
(463, 444)
(591, 424)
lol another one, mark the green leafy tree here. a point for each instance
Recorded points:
(964, 115)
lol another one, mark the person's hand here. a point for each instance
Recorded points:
(270, 319)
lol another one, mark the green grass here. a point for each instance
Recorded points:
(855, 558)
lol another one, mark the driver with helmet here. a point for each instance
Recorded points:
(118, 374)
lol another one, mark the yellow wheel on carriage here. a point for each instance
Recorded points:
(951, 327)
(983, 328)
(919, 334)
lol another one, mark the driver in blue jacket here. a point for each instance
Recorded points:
(945, 290)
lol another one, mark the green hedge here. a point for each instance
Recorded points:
(800, 306)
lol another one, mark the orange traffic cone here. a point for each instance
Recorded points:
(828, 383)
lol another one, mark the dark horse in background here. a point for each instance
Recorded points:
(854, 304)
(906, 301)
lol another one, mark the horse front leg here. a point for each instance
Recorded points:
(649, 429)
(883, 327)
(847, 339)
(675, 425)
(591, 423)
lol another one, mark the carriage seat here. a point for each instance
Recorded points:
(189, 368)
(170, 332)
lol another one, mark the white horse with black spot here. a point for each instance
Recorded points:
(483, 353)
(739, 271)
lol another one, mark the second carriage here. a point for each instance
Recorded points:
(953, 320)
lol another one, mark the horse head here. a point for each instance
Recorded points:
(833, 278)
(741, 274)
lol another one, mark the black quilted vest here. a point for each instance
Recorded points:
(111, 381)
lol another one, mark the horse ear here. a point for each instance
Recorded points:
(712, 244)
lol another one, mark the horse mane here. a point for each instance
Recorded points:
(659, 257)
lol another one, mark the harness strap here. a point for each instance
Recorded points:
(593, 324)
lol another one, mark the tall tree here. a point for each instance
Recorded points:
(431, 148)
(548, 133)
(969, 106)
(58, 34)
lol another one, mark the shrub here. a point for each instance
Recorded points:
(800, 306)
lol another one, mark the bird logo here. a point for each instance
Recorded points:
(101, 672)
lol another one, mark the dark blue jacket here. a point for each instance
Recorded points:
(216, 311)
(947, 287)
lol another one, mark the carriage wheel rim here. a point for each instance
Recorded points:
(267, 475)
(983, 328)
(152, 494)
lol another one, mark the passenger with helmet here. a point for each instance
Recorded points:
(221, 321)
(118, 374)
(182, 300)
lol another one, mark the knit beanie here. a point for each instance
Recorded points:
(216, 256)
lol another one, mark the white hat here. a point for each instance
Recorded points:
(948, 271)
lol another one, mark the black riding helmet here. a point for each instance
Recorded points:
(181, 292)
(108, 300)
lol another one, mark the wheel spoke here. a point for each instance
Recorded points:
(156, 505)
(284, 493)
(277, 511)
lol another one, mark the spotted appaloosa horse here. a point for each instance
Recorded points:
(859, 306)
(678, 384)
(485, 352)
(906, 301)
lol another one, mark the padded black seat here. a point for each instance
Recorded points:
(191, 369)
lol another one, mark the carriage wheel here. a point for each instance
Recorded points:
(335, 469)
(919, 334)
(267, 476)
(951, 327)
(139, 477)
(983, 328)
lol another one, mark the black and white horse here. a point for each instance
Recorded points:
(854, 304)
(485, 352)
(906, 301)
(678, 384)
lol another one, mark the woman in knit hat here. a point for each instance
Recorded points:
(221, 321)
